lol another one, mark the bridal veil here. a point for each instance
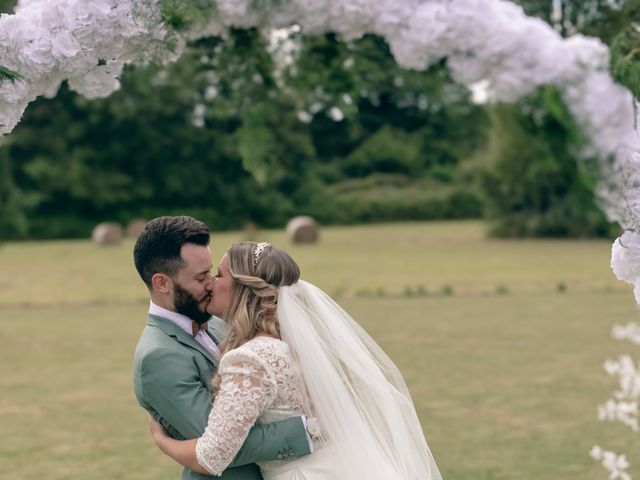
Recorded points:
(356, 393)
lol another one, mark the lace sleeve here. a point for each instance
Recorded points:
(247, 388)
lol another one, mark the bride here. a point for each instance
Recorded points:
(292, 351)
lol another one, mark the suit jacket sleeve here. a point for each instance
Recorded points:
(173, 386)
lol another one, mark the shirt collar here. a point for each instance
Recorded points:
(182, 321)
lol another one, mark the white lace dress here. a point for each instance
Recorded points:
(260, 383)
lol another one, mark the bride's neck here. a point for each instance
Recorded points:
(264, 334)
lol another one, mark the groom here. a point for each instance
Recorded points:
(177, 353)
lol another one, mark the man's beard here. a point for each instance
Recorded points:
(187, 305)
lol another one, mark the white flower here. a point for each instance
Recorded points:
(588, 53)
(14, 92)
(198, 114)
(625, 257)
(613, 463)
(211, 92)
(623, 406)
(390, 17)
(64, 44)
(351, 19)
(50, 90)
(304, 117)
(237, 13)
(609, 123)
(102, 81)
(618, 191)
(630, 331)
(312, 16)
(316, 107)
(425, 40)
(336, 114)
(10, 114)
(199, 110)
(596, 452)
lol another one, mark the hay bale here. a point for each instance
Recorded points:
(136, 227)
(107, 234)
(302, 229)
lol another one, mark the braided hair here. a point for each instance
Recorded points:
(252, 309)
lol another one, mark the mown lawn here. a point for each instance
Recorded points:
(501, 343)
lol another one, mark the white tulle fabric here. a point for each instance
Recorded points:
(365, 413)
(259, 384)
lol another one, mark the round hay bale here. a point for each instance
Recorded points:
(302, 229)
(136, 227)
(107, 234)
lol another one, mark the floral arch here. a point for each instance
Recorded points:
(487, 42)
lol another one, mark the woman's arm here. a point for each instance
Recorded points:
(246, 390)
(182, 451)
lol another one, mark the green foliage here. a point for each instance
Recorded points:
(383, 197)
(388, 150)
(14, 203)
(139, 154)
(447, 290)
(213, 135)
(9, 75)
(625, 58)
(7, 6)
(595, 18)
(181, 15)
(396, 153)
(532, 180)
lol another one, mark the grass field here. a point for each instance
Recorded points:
(501, 343)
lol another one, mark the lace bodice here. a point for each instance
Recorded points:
(260, 382)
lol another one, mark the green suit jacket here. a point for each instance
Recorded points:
(171, 378)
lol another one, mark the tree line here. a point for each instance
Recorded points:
(234, 136)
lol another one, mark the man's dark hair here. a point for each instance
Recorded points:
(157, 249)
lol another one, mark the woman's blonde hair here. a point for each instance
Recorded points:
(255, 291)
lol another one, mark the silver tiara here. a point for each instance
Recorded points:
(259, 249)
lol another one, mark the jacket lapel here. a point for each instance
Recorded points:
(174, 331)
(217, 329)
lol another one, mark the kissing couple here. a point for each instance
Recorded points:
(254, 373)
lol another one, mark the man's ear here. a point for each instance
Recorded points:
(161, 283)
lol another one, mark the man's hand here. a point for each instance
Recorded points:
(158, 433)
